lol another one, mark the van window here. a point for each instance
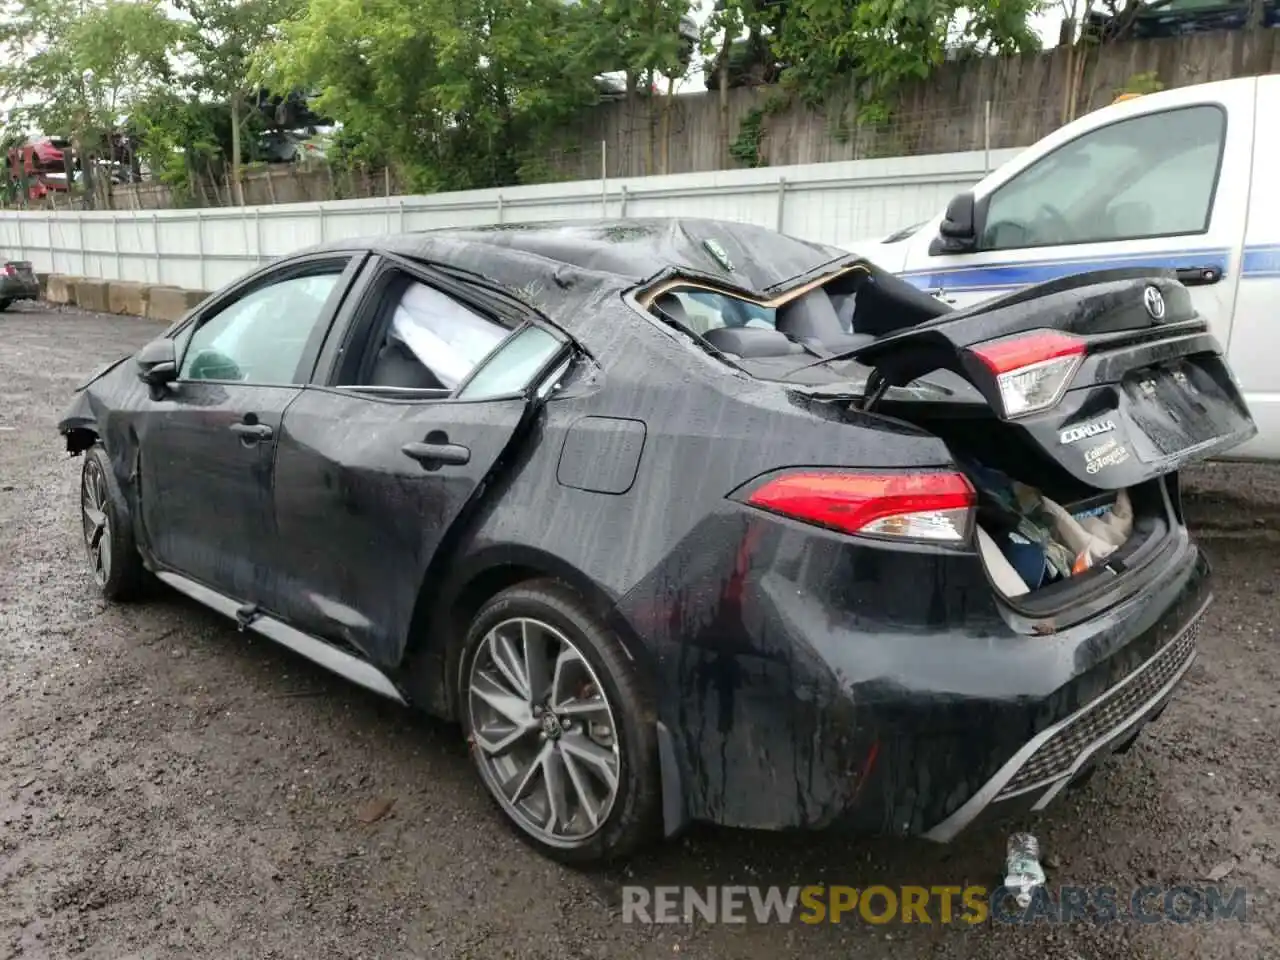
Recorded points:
(1115, 183)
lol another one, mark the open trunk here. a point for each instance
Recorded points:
(1088, 394)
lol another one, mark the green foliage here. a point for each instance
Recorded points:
(872, 47)
(75, 65)
(746, 146)
(1142, 83)
(455, 92)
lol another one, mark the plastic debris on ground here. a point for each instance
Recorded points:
(1029, 541)
(1023, 874)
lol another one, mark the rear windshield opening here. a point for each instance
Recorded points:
(773, 339)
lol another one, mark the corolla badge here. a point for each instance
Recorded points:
(1154, 302)
(1072, 434)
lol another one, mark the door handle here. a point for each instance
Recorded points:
(1198, 276)
(432, 455)
(252, 432)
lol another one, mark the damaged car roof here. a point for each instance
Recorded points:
(630, 251)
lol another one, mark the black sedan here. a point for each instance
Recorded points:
(684, 520)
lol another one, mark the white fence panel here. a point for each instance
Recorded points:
(205, 249)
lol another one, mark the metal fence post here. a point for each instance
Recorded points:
(115, 242)
(200, 244)
(257, 234)
(622, 203)
(22, 247)
(155, 246)
(402, 215)
(321, 209)
(500, 214)
(782, 202)
(53, 262)
(84, 253)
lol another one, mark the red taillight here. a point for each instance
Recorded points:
(935, 506)
(1032, 370)
(10, 270)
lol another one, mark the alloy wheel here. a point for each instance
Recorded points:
(543, 732)
(96, 522)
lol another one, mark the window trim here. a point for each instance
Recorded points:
(309, 265)
(984, 203)
(362, 318)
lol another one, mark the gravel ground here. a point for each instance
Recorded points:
(172, 788)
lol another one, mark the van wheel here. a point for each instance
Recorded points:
(560, 729)
(108, 535)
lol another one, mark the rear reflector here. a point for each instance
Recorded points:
(935, 507)
(1032, 370)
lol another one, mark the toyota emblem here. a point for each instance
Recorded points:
(1154, 302)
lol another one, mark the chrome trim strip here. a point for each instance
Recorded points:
(962, 817)
(330, 657)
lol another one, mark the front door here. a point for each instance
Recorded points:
(379, 467)
(207, 445)
(1159, 189)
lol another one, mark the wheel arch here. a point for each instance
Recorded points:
(441, 617)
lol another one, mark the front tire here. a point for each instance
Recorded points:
(108, 535)
(560, 728)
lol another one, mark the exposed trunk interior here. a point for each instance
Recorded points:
(980, 443)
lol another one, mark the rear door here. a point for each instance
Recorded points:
(1160, 182)
(381, 462)
(1113, 375)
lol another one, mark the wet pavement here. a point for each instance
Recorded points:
(170, 787)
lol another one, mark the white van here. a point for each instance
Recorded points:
(1186, 179)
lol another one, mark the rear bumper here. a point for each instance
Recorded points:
(1060, 753)
(14, 289)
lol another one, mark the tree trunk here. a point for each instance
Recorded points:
(667, 104)
(237, 187)
(1257, 14)
(651, 116)
(722, 82)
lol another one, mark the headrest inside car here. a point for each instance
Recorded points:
(749, 342)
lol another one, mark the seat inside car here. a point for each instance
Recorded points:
(397, 366)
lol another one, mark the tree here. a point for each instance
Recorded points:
(74, 66)
(456, 93)
(879, 44)
(222, 39)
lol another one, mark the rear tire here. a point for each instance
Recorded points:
(114, 560)
(561, 730)
(5, 304)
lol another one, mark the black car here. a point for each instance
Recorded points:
(17, 282)
(684, 520)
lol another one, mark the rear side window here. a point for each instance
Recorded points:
(513, 366)
(1154, 175)
(428, 340)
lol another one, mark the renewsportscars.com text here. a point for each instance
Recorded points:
(881, 905)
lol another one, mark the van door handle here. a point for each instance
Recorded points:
(252, 432)
(434, 455)
(1198, 276)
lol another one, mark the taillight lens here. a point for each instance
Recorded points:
(10, 270)
(930, 506)
(1032, 370)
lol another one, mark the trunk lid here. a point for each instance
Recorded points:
(1112, 374)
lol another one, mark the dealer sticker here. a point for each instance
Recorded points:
(1108, 454)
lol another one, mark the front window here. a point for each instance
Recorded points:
(262, 336)
(1150, 176)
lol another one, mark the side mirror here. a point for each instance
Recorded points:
(958, 232)
(157, 363)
